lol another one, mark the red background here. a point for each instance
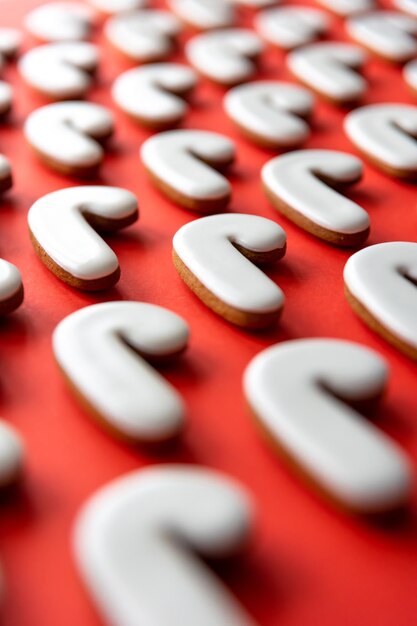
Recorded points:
(307, 563)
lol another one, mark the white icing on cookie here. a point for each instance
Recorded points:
(271, 112)
(410, 74)
(184, 161)
(225, 56)
(60, 21)
(388, 34)
(102, 350)
(143, 36)
(207, 247)
(138, 535)
(300, 391)
(386, 133)
(152, 93)
(383, 279)
(407, 6)
(330, 68)
(204, 14)
(256, 4)
(11, 455)
(60, 223)
(5, 173)
(65, 133)
(10, 283)
(290, 27)
(60, 71)
(10, 41)
(111, 7)
(344, 8)
(297, 179)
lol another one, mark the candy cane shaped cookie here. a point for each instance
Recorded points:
(10, 40)
(143, 36)
(60, 21)
(271, 113)
(111, 7)
(299, 185)
(291, 27)
(103, 351)
(226, 56)
(344, 8)
(407, 6)
(141, 534)
(209, 255)
(60, 71)
(181, 162)
(66, 135)
(11, 288)
(381, 287)
(331, 70)
(304, 393)
(389, 35)
(62, 228)
(204, 14)
(386, 134)
(154, 95)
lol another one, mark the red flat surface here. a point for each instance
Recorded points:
(307, 563)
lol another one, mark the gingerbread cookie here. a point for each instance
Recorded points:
(204, 14)
(300, 185)
(331, 70)
(301, 392)
(290, 27)
(11, 287)
(227, 57)
(60, 71)
(209, 255)
(143, 36)
(271, 113)
(386, 135)
(145, 530)
(380, 286)
(103, 351)
(60, 21)
(66, 135)
(62, 228)
(154, 95)
(181, 164)
(389, 35)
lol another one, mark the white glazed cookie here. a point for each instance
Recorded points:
(386, 135)
(407, 6)
(299, 184)
(226, 56)
(381, 287)
(183, 163)
(154, 95)
(390, 35)
(291, 27)
(11, 288)
(410, 75)
(143, 531)
(204, 14)
(209, 255)
(256, 4)
(60, 21)
(143, 36)
(10, 40)
(11, 456)
(271, 113)
(331, 69)
(103, 352)
(63, 227)
(66, 135)
(111, 7)
(344, 8)
(6, 179)
(6, 98)
(60, 71)
(300, 392)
